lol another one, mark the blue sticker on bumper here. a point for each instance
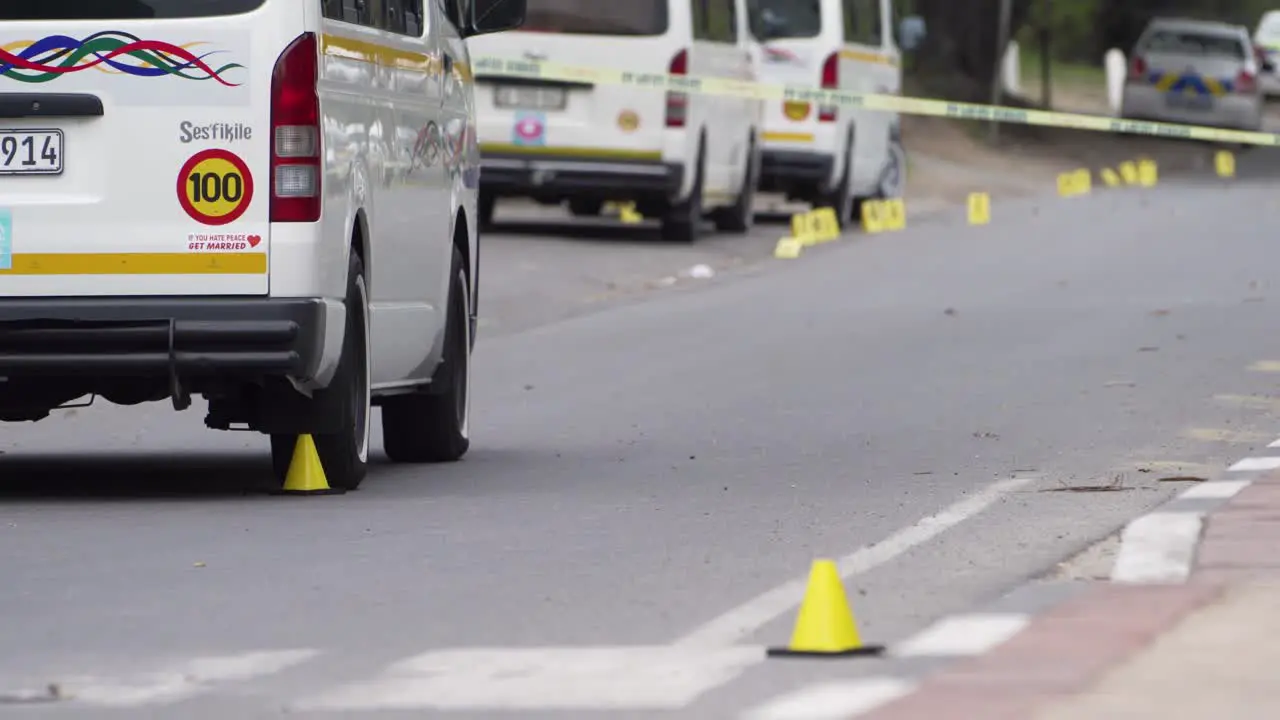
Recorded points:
(6, 240)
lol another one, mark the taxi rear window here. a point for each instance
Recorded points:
(596, 17)
(784, 19)
(1190, 42)
(123, 9)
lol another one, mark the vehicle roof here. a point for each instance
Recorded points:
(1212, 26)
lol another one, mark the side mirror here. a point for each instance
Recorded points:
(911, 32)
(491, 16)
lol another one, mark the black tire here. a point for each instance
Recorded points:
(433, 425)
(585, 207)
(344, 455)
(486, 205)
(682, 222)
(841, 199)
(893, 176)
(741, 216)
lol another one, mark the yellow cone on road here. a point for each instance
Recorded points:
(1225, 163)
(979, 208)
(825, 626)
(306, 474)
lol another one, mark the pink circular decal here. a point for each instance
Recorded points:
(529, 128)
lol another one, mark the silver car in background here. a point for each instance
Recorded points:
(1195, 72)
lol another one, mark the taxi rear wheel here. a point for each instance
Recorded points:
(433, 425)
(344, 453)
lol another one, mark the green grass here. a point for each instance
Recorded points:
(1084, 75)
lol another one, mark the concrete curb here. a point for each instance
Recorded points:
(1160, 547)
(1049, 640)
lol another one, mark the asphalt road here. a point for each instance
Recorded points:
(654, 470)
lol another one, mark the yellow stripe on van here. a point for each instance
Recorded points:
(797, 137)
(870, 57)
(137, 264)
(378, 54)
(540, 150)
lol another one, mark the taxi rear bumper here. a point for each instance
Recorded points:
(1236, 111)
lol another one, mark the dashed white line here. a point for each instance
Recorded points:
(1255, 464)
(180, 682)
(744, 620)
(1217, 490)
(964, 635)
(1158, 548)
(580, 679)
(834, 701)
(1274, 443)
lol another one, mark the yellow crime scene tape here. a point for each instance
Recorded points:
(820, 225)
(867, 101)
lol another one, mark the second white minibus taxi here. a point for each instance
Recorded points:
(830, 156)
(678, 157)
(267, 203)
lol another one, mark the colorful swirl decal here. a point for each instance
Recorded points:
(57, 55)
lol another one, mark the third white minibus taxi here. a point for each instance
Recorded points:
(267, 203)
(830, 156)
(679, 157)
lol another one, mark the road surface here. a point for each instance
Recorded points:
(656, 464)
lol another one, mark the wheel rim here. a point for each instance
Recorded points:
(462, 368)
(893, 179)
(361, 389)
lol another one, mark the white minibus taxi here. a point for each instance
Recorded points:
(678, 157)
(830, 156)
(266, 203)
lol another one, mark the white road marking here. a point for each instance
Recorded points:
(1255, 464)
(606, 678)
(834, 701)
(1216, 490)
(1274, 443)
(963, 635)
(744, 620)
(1158, 548)
(182, 681)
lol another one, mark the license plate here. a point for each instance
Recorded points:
(30, 152)
(526, 97)
(1189, 102)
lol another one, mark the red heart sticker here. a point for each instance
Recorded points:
(254, 240)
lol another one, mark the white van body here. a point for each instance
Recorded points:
(1267, 38)
(267, 203)
(677, 157)
(833, 157)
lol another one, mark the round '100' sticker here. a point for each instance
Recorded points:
(215, 187)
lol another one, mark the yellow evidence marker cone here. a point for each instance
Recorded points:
(979, 208)
(788, 248)
(306, 474)
(825, 626)
(1225, 163)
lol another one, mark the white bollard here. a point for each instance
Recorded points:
(1116, 67)
(1011, 69)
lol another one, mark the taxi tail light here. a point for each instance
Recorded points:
(295, 133)
(678, 102)
(1246, 83)
(830, 81)
(1137, 69)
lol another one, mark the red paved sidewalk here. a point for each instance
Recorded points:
(1207, 649)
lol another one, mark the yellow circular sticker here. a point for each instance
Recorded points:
(215, 187)
(628, 120)
(796, 110)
